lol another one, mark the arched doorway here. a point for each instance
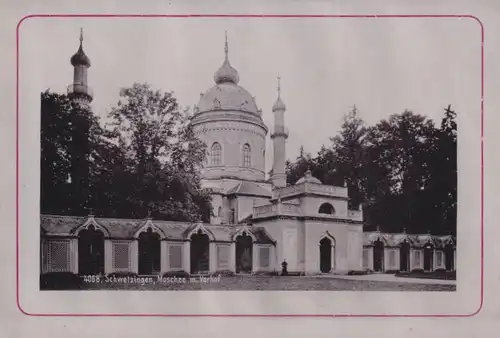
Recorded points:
(244, 252)
(449, 257)
(378, 256)
(404, 256)
(326, 258)
(91, 251)
(428, 257)
(149, 253)
(200, 253)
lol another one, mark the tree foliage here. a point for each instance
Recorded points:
(144, 161)
(401, 170)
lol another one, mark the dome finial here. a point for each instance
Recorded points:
(279, 105)
(226, 73)
(81, 36)
(279, 85)
(226, 46)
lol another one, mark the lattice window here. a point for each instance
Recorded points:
(58, 256)
(175, 256)
(264, 257)
(120, 256)
(216, 154)
(223, 256)
(247, 157)
(365, 258)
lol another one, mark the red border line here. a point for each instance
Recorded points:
(374, 16)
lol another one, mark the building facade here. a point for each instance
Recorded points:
(258, 222)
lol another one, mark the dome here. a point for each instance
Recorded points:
(309, 178)
(227, 96)
(79, 58)
(226, 74)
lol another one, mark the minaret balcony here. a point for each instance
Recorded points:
(80, 89)
(279, 131)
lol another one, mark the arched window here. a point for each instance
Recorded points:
(216, 154)
(247, 159)
(326, 208)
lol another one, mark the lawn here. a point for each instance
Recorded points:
(248, 283)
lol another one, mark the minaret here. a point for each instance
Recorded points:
(279, 136)
(81, 95)
(79, 91)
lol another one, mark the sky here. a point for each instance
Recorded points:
(382, 66)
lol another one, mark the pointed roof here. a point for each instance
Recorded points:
(249, 189)
(226, 73)
(80, 58)
(279, 105)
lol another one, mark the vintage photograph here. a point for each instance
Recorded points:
(217, 161)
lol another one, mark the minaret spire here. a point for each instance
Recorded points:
(279, 136)
(279, 85)
(226, 47)
(81, 37)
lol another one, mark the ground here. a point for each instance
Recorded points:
(265, 283)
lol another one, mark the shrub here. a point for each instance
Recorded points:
(60, 281)
(358, 272)
(266, 273)
(179, 274)
(223, 273)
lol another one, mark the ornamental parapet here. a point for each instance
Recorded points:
(311, 188)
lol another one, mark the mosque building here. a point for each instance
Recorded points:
(258, 222)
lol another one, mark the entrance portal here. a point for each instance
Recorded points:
(325, 255)
(449, 259)
(91, 251)
(149, 253)
(378, 256)
(244, 246)
(404, 257)
(200, 253)
(428, 257)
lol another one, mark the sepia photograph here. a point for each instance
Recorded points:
(247, 155)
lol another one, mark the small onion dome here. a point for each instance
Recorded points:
(226, 74)
(80, 59)
(279, 105)
(309, 178)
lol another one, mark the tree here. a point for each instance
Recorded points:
(348, 153)
(296, 170)
(68, 133)
(55, 163)
(443, 179)
(398, 164)
(163, 153)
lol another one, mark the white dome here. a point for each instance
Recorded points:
(227, 96)
(309, 178)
